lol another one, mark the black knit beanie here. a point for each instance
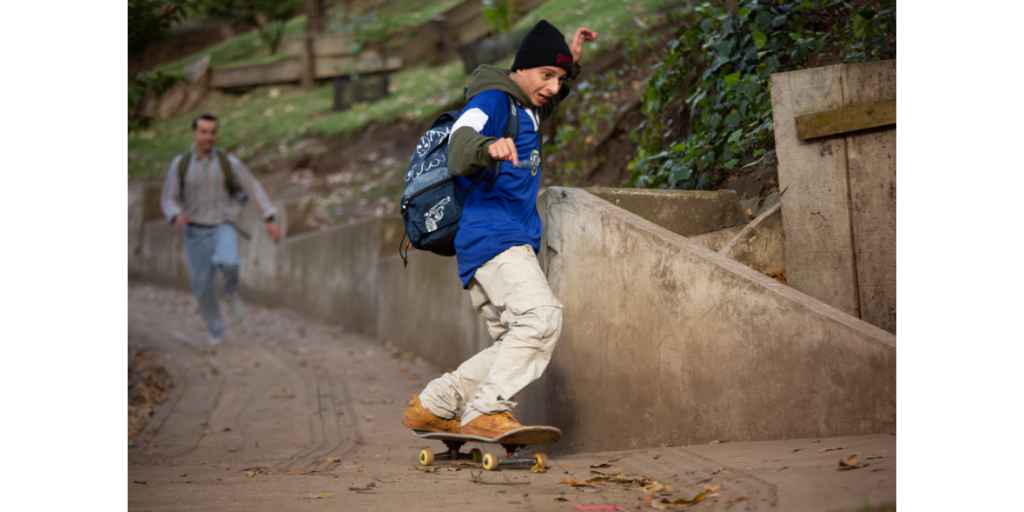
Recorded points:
(543, 46)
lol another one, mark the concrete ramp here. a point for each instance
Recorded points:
(667, 342)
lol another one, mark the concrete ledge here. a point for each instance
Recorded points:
(683, 212)
(760, 243)
(664, 341)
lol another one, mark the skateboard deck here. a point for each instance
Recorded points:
(512, 442)
(535, 436)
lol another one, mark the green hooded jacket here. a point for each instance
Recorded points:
(467, 149)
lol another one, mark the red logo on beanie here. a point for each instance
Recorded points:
(564, 59)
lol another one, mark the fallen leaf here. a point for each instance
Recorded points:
(830, 449)
(719, 470)
(852, 467)
(295, 473)
(143, 482)
(849, 461)
(570, 481)
(648, 497)
(715, 487)
(875, 456)
(605, 465)
(559, 499)
(333, 459)
(656, 457)
(322, 496)
(723, 441)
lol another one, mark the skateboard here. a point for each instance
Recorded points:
(512, 442)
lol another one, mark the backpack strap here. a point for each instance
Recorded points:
(229, 175)
(511, 132)
(186, 158)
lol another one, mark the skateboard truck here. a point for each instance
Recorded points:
(428, 457)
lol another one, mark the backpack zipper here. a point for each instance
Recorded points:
(405, 205)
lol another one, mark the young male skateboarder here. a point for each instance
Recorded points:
(203, 208)
(499, 236)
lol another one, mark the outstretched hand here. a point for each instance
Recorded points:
(576, 43)
(504, 149)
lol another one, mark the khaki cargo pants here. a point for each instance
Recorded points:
(523, 317)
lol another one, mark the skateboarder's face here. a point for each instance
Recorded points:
(540, 84)
(205, 135)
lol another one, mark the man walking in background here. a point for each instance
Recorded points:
(201, 196)
(499, 236)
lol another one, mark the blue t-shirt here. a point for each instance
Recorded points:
(506, 216)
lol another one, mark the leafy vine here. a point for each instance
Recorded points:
(721, 61)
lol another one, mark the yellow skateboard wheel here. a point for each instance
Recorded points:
(490, 462)
(478, 456)
(426, 457)
(541, 459)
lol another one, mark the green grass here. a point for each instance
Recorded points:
(259, 128)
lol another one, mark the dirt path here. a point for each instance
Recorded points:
(254, 425)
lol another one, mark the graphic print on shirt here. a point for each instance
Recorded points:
(435, 214)
(533, 163)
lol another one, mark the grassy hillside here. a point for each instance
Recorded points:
(271, 122)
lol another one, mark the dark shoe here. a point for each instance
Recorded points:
(418, 417)
(490, 426)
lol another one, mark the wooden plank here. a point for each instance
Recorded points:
(258, 74)
(843, 120)
(323, 46)
(524, 6)
(366, 63)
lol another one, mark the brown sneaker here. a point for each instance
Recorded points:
(490, 426)
(418, 417)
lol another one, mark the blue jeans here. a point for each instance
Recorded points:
(208, 250)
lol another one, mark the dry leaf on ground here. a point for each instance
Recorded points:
(831, 449)
(333, 459)
(849, 461)
(570, 481)
(322, 496)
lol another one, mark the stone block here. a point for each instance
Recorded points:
(761, 243)
(684, 212)
(715, 240)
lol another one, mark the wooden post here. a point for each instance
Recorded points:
(444, 48)
(306, 60)
(508, 28)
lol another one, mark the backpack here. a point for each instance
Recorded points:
(225, 167)
(433, 199)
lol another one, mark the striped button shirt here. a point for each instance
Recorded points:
(206, 197)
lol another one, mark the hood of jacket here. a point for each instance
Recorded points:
(487, 77)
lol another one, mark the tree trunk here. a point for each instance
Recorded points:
(315, 20)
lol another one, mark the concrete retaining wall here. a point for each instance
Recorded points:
(665, 341)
